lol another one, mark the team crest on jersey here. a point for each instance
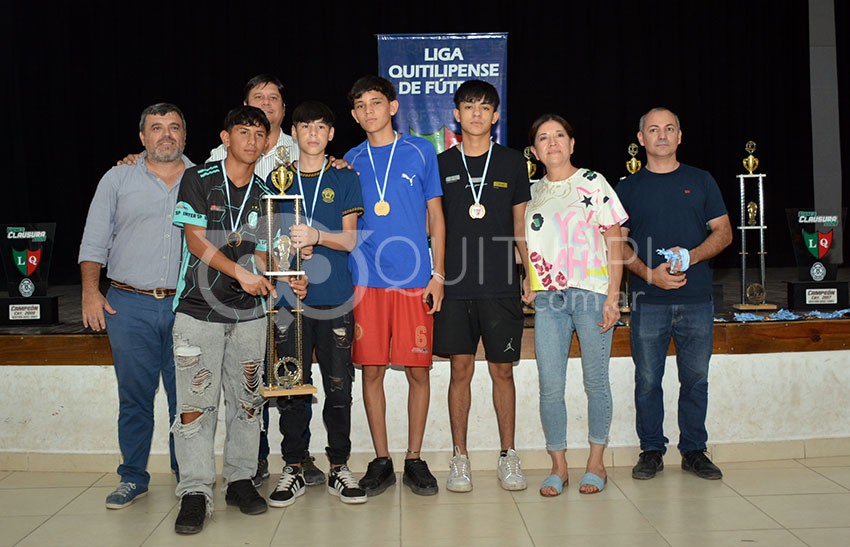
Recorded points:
(252, 219)
(328, 195)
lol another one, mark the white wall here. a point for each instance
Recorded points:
(753, 398)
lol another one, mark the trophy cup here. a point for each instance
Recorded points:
(634, 164)
(753, 295)
(751, 163)
(532, 168)
(284, 376)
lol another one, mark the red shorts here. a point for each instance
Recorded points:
(391, 318)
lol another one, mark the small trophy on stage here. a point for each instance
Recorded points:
(751, 163)
(753, 295)
(285, 376)
(532, 168)
(634, 164)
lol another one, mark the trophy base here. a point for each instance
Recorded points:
(755, 307)
(280, 391)
(35, 310)
(817, 295)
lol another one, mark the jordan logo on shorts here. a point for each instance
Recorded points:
(510, 346)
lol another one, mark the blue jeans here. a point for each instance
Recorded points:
(557, 315)
(208, 358)
(140, 337)
(692, 329)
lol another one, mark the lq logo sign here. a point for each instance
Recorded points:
(26, 260)
(818, 243)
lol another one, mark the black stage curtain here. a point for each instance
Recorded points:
(77, 76)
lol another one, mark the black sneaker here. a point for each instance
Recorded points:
(313, 476)
(289, 487)
(193, 511)
(649, 463)
(419, 478)
(699, 464)
(341, 483)
(245, 496)
(261, 474)
(379, 476)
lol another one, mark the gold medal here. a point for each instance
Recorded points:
(477, 211)
(234, 239)
(382, 208)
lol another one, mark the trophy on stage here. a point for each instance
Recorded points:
(532, 168)
(26, 250)
(753, 295)
(633, 165)
(284, 376)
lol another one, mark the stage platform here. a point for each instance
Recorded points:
(68, 343)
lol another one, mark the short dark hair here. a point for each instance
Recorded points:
(371, 83)
(473, 91)
(535, 127)
(160, 109)
(313, 111)
(246, 115)
(658, 109)
(261, 80)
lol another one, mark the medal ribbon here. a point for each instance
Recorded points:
(382, 191)
(476, 197)
(235, 225)
(309, 217)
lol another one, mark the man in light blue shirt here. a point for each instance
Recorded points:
(129, 230)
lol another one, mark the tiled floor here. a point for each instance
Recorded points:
(775, 503)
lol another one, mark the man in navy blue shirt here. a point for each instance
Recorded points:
(678, 208)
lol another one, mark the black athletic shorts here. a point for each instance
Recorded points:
(460, 324)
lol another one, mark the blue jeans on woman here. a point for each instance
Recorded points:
(692, 328)
(557, 315)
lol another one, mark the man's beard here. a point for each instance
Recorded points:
(161, 157)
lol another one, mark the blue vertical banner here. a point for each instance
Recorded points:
(427, 69)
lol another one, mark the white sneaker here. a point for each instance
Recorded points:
(460, 473)
(510, 472)
(342, 484)
(290, 487)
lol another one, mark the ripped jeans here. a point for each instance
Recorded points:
(208, 357)
(331, 338)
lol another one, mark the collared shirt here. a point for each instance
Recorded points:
(267, 162)
(129, 227)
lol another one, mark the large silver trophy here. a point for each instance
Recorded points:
(753, 295)
(285, 375)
